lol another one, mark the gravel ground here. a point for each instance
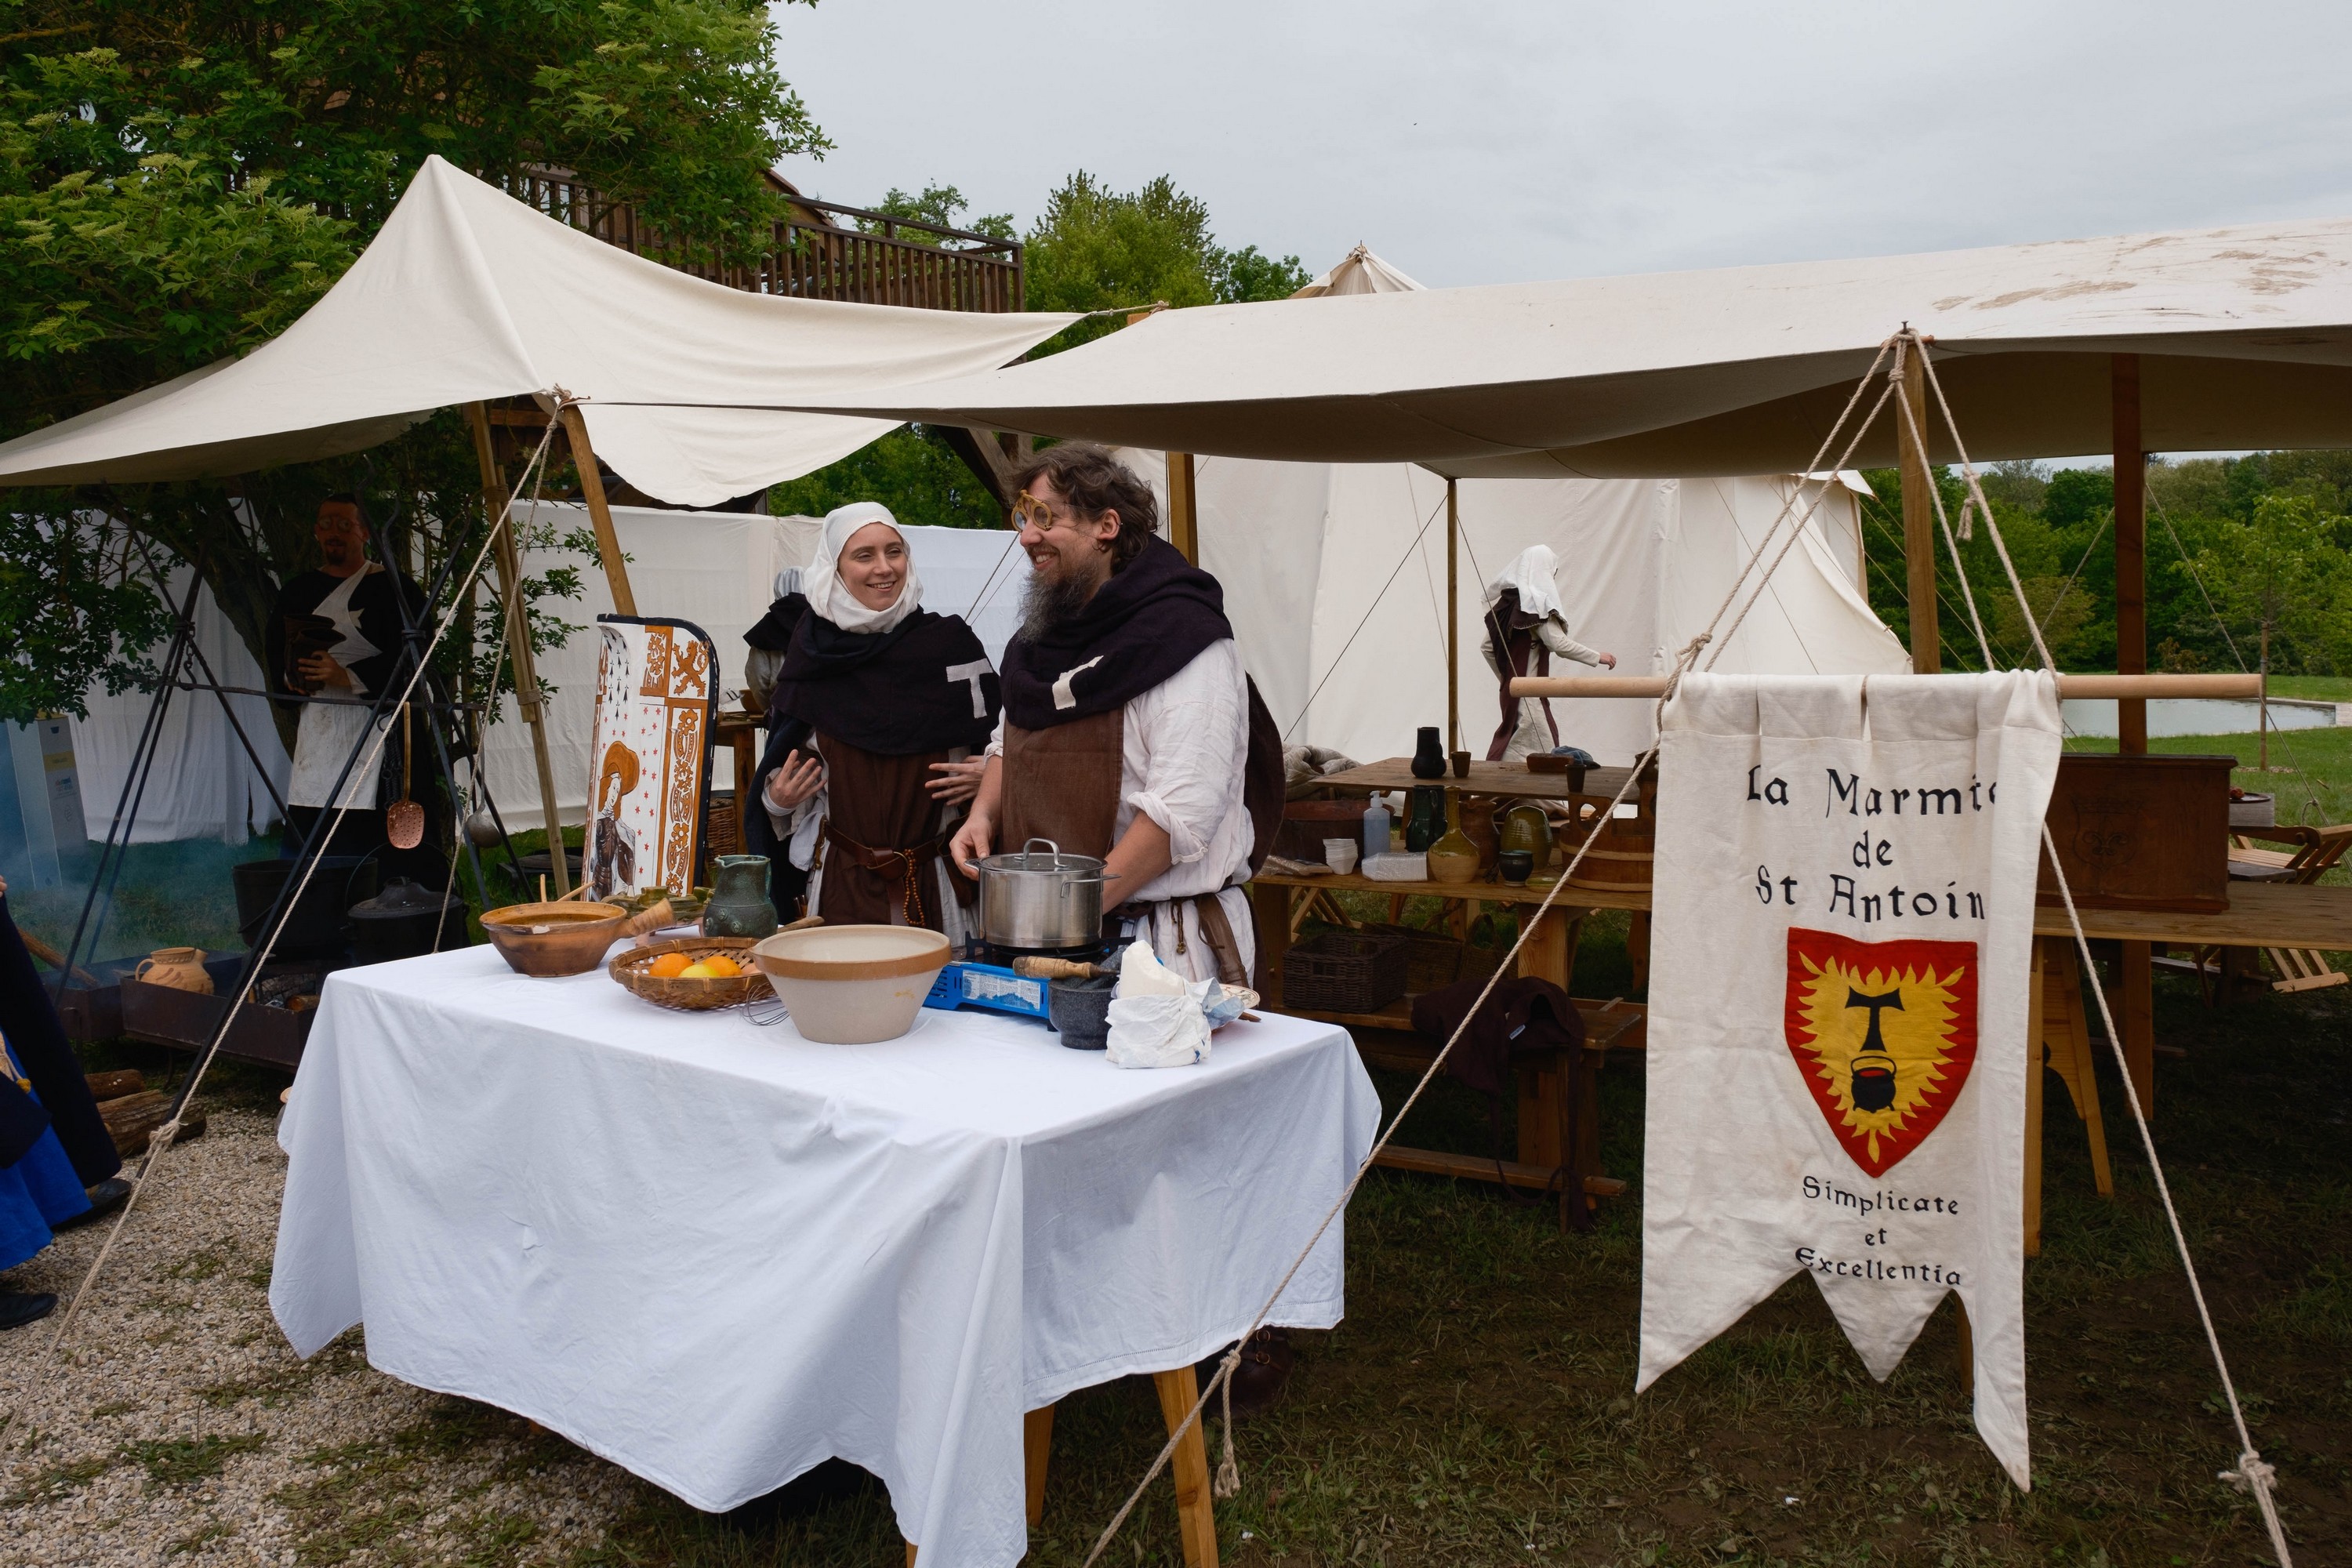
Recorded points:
(175, 1427)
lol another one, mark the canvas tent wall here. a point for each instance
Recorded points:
(1334, 579)
(716, 570)
(203, 784)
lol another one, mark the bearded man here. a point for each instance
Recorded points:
(1127, 720)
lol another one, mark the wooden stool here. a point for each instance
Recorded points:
(2062, 1045)
(1196, 1518)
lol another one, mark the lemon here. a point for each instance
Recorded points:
(697, 971)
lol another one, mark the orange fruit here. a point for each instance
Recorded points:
(668, 966)
(723, 966)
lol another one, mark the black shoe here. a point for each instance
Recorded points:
(18, 1308)
(1263, 1374)
(104, 1199)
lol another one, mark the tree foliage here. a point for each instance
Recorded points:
(2231, 544)
(179, 179)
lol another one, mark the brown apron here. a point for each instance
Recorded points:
(1062, 784)
(883, 836)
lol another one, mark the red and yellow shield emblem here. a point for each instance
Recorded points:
(1884, 1034)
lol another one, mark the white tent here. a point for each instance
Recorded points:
(202, 783)
(466, 295)
(716, 570)
(2244, 336)
(1335, 580)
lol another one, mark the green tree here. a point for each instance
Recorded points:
(1095, 248)
(179, 181)
(2282, 573)
(914, 473)
(943, 205)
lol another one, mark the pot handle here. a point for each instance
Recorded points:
(1046, 842)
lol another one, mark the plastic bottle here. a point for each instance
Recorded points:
(1376, 827)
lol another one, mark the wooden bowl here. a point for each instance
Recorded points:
(554, 938)
(699, 995)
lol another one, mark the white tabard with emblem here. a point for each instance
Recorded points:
(1842, 925)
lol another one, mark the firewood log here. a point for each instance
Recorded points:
(105, 1086)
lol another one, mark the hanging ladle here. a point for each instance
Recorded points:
(403, 820)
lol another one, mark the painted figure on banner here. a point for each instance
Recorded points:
(651, 745)
(1842, 920)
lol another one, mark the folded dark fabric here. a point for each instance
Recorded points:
(29, 1020)
(1152, 619)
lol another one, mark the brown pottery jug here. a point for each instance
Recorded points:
(181, 968)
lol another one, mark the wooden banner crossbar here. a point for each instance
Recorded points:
(2117, 686)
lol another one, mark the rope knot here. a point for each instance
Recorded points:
(1228, 1483)
(2253, 1474)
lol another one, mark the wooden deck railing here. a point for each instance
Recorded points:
(868, 260)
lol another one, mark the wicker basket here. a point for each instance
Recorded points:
(696, 995)
(1433, 961)
(1343, 972)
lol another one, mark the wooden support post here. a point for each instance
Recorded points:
(1453, 622)
(1270, 913)
(1184, 508)
(592, 489)
(1919, 516)
(1036, 1452)
(528, 701)
(1196, 1517)
(2131, 552)
(2036, 1005)
(2135, 968)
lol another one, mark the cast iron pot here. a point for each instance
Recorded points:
(1041, 903)
(315, 928)
(401, 922)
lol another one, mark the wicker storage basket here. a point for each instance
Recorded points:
(1343, 972)
(696, 995)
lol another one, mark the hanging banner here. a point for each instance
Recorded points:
(648, 753)
(1842, 926)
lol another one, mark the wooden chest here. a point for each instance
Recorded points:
(2141, 832)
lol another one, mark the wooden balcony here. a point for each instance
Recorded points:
(822, 250)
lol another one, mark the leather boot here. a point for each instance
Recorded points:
(1264, 1372)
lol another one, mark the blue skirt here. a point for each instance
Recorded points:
(36, 1192)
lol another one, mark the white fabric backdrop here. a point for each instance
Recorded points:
(716, 569)
(716, 1254)
(1329, 596)
(202, 785)
(1783, 830)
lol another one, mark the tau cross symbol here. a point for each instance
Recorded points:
(1873, 1080)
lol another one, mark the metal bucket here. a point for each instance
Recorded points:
(1039, 903)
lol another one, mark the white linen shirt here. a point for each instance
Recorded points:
(1183, 746)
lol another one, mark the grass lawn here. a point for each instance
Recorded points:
(1477, 1408)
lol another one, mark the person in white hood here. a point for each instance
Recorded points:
(1524, 627)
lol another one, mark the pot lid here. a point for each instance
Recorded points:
(403, 898)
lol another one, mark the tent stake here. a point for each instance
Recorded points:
(526, 664)
(592, 490)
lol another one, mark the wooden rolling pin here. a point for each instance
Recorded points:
(1032, 966)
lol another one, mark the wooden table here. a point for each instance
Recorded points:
(2260, 914)
(1510, 780)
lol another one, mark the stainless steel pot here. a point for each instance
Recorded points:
(1041, 901)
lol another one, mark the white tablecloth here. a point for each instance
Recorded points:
(716, 1254)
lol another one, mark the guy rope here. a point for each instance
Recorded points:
(162, 1139)
(2251, 1474)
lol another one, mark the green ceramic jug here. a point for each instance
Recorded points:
(738, 902)
(1527, 828)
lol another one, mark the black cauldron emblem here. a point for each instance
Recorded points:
(1873, 1069)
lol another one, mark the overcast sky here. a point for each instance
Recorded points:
(1484, 143)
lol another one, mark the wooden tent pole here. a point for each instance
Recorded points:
(1918, 517)
(1453, 620)
(2134, 967)
(526, 664)
(1184, 508)
(592, 489)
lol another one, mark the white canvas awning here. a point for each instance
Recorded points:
(468, 294)
(2245, 333)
